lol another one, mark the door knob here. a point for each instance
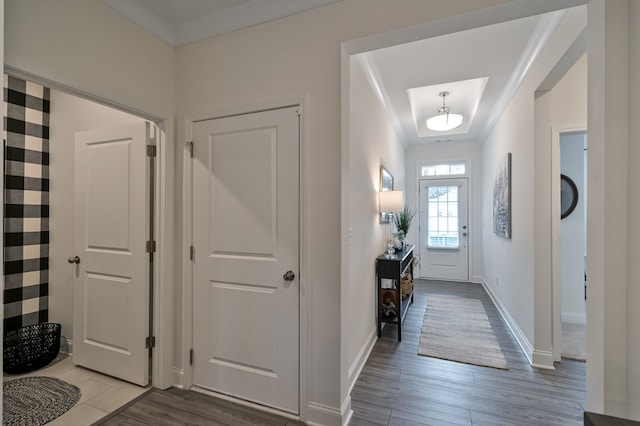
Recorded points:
(289, 276)
(74, 259)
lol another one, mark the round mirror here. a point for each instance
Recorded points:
(568, 196)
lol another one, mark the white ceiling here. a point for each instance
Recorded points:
(409, 77)
(480, 68)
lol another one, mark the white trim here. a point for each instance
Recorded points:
(457, 23)
(187, 264)
(66, 345)
(574, 318)
(306, 289)
(420, 164)
(243, 15)
(346, 412)
(145, 17)
(373, 75)
(519, 335)
(542, 359)
(163, 306)
(247, 109)
(361, 359)
(323, 415)
(186, 376)
(163, 289)
(556, 280)
(476, 279)
(178, 378)
(539, 39)
(37, 73)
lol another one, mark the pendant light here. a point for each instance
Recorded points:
(444, 120)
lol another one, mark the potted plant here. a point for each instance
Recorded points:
(402, 222)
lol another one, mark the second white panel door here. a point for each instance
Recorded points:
(246, 233)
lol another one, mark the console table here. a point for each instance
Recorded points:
(393, 267)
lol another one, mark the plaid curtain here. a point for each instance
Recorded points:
(26, 208)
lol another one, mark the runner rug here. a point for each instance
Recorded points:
(458, 329)
(35, 401)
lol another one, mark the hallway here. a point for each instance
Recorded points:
(397, 386)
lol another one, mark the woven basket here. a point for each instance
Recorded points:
(407, 286)
(31, 347)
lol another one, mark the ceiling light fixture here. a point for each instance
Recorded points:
(444, 120)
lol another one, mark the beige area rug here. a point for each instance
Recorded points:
(457, 329)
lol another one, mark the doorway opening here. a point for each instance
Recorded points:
(573, 244)
(71, 113)
(45, 165)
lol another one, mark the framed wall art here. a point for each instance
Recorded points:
(386, 184)
(502, 198)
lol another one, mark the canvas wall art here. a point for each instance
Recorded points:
(502, 198)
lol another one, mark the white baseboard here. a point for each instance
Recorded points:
(573, 318)
(543, 359)
(361, 359)
(346, 413)
(178, 377)
(66, 345)
(522, 340)
(323, 415)
(317, 414)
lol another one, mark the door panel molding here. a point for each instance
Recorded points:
(112, 283)
(183, 372)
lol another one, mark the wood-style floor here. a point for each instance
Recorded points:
(176, 407)
(399, 387)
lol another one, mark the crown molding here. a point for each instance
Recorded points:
(243, 15)
(539, 39)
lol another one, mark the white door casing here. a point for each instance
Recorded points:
(444, 229)
(246, 238)
(112, 225)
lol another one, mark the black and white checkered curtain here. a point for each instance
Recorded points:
(26, 209)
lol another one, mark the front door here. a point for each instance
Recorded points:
(112, 223)
(444, 233)
(246, 237)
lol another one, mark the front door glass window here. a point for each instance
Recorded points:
(443, 217)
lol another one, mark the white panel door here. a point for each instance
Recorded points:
(245, 232)
(111, 289)
(444, 233)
